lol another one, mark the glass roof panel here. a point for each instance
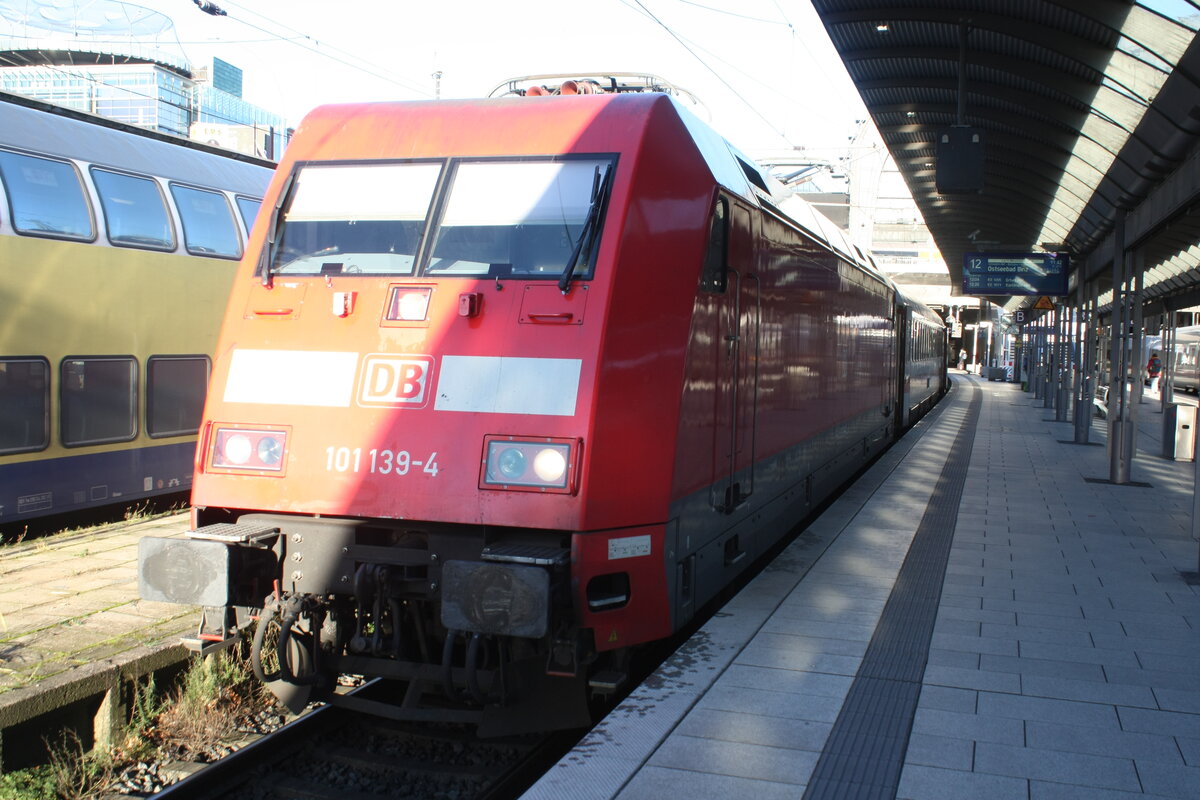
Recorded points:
(1182, 11)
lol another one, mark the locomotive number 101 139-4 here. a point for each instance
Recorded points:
(377, 462)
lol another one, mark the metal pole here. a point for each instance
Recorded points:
(1136, 264)
(1166, 383)
(1077, 358)
(1083, 403)
(975, 344)
(1116, 391)
(1051, 360)
(1066, 360)
(1035, 360)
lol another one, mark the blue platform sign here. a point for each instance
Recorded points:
(1042, 274)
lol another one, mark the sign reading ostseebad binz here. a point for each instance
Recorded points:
(1015, 273)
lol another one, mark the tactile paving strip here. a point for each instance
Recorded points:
(865, 750)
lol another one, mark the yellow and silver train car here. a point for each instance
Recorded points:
(118, 247)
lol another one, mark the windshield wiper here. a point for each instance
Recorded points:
(590, 226)
(268, 251)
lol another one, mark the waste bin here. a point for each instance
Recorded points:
(1179, 432)
(997, 373)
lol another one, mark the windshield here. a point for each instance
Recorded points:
(496, 218)
(355, 218)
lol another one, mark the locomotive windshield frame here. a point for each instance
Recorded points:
(530, 217)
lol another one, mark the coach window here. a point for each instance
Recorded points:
(24, 404)
(99, 400)
(533, 219)
(716, 264)
(355, 219)
(208, 227)
(248, 208)
(175, 388)
(135, 210)
(46, 197)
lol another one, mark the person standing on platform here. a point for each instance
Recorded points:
(962, 358)
(1154, 371)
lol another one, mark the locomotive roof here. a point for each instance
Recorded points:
(53, 130)
(547, 125)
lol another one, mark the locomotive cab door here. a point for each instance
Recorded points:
(736, 370)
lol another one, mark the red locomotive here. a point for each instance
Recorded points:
(506, 387)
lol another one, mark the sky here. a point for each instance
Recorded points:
(765, 70)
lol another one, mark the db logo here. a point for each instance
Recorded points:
(392, 381)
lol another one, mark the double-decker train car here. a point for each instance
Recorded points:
(118, 248)
(509, 387)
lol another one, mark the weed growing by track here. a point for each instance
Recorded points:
(214, 703)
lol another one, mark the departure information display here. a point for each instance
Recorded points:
(1016, 273)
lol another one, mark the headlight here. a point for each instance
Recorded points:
(269, 450)
(243, 449)
(546, 465)
(550, 464)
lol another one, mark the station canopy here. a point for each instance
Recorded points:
(1082, 109)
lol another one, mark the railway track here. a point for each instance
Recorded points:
(333, 753)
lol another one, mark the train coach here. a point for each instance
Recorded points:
(508, 387)
(119, 247)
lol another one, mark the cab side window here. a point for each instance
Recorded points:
(716, 258)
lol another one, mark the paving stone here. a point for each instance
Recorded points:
(1042, 790)
(1027, 633)
(820, 629)
(656, 783)
(1102, 742)
(1165, 662)
(1190, 750)
(735, 759)
(972, 727)
(1179, 700)
(948, 698)
(818, 708)
(976, 615)
(1168, 779)
(1180, 645)
(1069, 623)
(973, 679)
(919, 782)
(1168, 723)
(786, 680)
(1088, 691)
(733, 726)
(1038, 666)
(1057, 766)
(974, 644)
(1082, 655)
(939, 751)
(1013, 706)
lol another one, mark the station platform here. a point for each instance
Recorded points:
(982, 615)
(72, 627)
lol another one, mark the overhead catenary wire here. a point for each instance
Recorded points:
(732, 13)
(321, 48)
(686, 46)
